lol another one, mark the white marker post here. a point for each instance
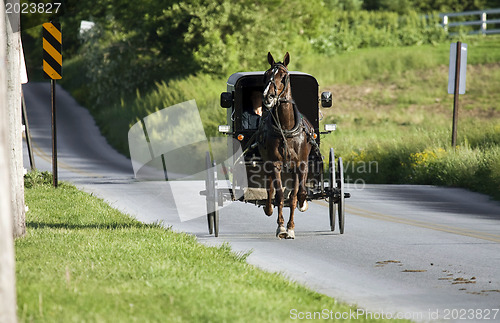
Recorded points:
(456, 80)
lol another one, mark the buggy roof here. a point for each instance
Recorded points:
(233, 79)
(304, 91)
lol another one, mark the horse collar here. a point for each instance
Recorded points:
(277, 131)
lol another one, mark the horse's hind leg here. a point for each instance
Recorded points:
(290, 228)
(302, 193)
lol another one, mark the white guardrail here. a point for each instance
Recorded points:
(482, 22)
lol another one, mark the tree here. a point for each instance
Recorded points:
(7, 269)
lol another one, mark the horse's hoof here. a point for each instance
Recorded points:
(268, 211)
(304, 207)
(281, 232)
(290, 234)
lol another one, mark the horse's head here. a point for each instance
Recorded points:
(276, 82)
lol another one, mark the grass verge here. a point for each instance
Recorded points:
(83, 261)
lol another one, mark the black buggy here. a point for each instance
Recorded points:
(242, 152)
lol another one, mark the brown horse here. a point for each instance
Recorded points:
(284, 145)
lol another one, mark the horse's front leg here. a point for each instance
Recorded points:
(302, 194)
(268, 208)
(279, 200)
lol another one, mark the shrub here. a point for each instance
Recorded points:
(37, 178)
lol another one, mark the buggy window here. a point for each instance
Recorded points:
(252, 107)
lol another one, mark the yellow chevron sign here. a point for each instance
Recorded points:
(52, 51)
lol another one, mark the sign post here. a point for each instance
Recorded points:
(456, 81)
(52, 69)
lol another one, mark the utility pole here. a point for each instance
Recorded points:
(7, 260)
(13, 26)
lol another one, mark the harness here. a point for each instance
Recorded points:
(275, 127)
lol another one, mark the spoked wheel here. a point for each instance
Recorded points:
(209, 188)
(212, 196)
(341, 196)
(332, 184)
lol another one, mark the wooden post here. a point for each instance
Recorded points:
(483, 25)
(456, 95)
(28, 134)
(445, 23)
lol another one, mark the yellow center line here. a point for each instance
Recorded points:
(433, 226)
(40, 153)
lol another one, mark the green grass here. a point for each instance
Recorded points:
(82, 261)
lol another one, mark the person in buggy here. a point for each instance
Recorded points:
(251, 116)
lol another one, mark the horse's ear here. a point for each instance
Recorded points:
(270, 58)
(286, 60)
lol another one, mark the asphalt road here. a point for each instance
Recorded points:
(420, 251)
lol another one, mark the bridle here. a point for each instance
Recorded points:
(277, 98)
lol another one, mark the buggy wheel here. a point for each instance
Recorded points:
(216, 223)
(341, 198)
(213, 223)
(331, 186)
(211, 200)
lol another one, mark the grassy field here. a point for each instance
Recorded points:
(391, 107)
(401, 123)
(82, 261)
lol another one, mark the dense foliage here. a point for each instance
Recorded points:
(188, 37)
(349, 30)
(133, 46)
